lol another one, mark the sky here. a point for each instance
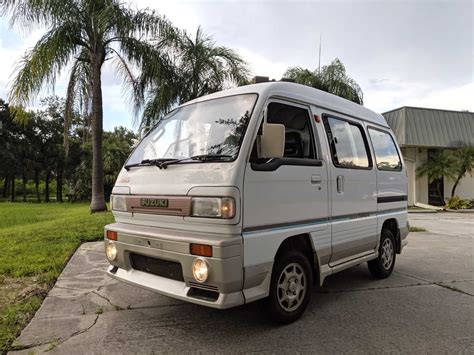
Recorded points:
(402, 53)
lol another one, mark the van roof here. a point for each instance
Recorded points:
(302, 93)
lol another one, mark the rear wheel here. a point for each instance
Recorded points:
(290, 288)
(383, 266)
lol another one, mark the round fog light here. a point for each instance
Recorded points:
(110, 251)
(200, 270)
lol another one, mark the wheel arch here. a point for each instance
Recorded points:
(391, 224)
(304, 244)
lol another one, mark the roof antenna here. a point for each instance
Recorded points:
(319, 66)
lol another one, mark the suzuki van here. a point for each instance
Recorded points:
(261, 191)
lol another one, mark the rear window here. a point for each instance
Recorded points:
(386, 153)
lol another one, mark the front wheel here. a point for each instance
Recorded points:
(290, 287)
(383, 266)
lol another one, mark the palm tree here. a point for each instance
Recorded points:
(201, 67)
(442, 165)
(332, 78)
(85, 34)
(465, 159)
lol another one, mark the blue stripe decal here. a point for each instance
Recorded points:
(308, 223)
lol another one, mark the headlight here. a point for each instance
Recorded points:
(118, 203)
(216, 207)
(110, 250)
(200, 270)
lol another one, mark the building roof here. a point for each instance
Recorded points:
(416, 126)
(302, 93)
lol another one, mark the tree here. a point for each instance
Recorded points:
(13, 144)
(465, 164)
(7, 146)
(86, 34)
(200, 67)
(25, 152)
(442, 165)
(332, 78)
(117, 147)
(51, 122)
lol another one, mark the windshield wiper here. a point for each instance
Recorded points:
(163, 163)
(148, 162)
(202, 158)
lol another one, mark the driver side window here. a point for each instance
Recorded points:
(299, 142)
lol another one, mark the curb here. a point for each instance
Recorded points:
(465, 210)
(422, 211)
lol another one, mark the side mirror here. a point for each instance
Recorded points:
(272, 141)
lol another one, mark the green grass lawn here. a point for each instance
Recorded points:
(417, 229)
(36, 241)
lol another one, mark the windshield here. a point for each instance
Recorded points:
(214, 127)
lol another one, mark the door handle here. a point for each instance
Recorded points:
(340, 183)
(315, 179)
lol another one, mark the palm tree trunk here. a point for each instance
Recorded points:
(59, 186)
(23, 177)
(453, 190)
(13, 188)
(38, 197)
(98, 199)
(6, 184)
(46, 187)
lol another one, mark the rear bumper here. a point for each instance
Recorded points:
(223, 289)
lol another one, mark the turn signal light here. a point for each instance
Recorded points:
(111, 235)
(201, 250)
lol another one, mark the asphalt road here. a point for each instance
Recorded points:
(427, 305)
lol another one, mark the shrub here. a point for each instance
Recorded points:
(471, 203)
(457, 203)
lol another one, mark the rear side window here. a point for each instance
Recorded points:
(386, 153)
(348, 146)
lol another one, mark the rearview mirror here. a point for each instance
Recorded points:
(272, 140)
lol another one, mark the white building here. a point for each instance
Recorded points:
(421, 132)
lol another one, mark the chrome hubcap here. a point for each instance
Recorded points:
(387, 253)
(291, 287)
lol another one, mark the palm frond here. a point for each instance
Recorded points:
(39, 13)
(195, 67)
(331, 78)
(78, 94)
(44, 62)
(131, 86)
(156, 66)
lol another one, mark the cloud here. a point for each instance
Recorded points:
(390, 94)
(261, 65)
(453, 98)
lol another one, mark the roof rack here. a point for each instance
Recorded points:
(265, 79)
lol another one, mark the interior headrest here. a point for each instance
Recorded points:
(298, 121)
(292, 137)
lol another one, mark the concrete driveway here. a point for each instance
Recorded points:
(427, 305)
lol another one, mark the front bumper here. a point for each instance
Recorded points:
(174, 289)
(223, 289)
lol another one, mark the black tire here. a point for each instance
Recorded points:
(381, 268)
(299, 301)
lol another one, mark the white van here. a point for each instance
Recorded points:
(258, 191)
